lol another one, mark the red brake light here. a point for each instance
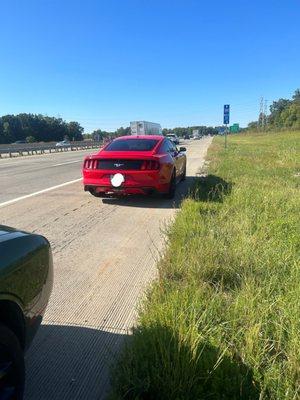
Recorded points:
(90, 164)
(148, 165)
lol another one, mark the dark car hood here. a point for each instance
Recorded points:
(7, 233)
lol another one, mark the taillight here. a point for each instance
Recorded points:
(90, 164)
(148, 165)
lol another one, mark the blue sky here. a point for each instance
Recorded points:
(104, 63)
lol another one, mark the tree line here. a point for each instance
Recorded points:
(284, 114)
(41, 128)
(181, 131)
(98, 134)
(37, 128)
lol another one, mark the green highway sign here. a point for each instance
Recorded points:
(235, 128)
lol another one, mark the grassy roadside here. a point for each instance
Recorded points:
(222, 321)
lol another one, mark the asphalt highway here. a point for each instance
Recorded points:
(105, 254)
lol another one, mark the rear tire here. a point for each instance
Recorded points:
(12, 367)
(172, 188)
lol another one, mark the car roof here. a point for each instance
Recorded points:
(129, 137)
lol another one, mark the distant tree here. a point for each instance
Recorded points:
(6, 136)
(284, 113)
(98, 134)
(290, 116)
(75, 131)
(12, 128)
(279, 105)
(42, 128)
(182, 131)
(123, 131)
(253, 125)
(276, 109)
(30, 139)
(87, 136)
(296, 95)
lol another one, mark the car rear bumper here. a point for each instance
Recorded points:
(122, 191)
(136, 182)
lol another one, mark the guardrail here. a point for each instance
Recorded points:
(35, 148)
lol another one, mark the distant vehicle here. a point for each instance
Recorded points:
(197, 136)
(26, 278)
(186, 137)
(64, 143)
(19, 142)
(173, 137)
(145, 128)
(135, 165)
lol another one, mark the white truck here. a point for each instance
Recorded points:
(196, 135)
(145, 128)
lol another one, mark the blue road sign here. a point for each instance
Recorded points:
(226, 114)
(221, 130)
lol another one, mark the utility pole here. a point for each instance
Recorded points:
(265, 113)
(261, 114)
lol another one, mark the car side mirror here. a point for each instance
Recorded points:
(182, 149)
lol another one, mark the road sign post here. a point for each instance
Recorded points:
(226, 119)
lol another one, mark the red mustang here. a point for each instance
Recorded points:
(135, 165)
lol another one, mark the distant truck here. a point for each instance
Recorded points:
(145, 128)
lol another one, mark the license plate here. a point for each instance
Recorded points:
(119, 186)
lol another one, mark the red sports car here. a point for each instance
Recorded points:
(135, 165)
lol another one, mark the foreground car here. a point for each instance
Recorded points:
(26, 277)
(135, 165)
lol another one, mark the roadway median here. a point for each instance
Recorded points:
(13, 150)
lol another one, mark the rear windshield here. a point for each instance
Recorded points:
(132, 145)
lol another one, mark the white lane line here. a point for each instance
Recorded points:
(64, 163)
(4, 164)
(54, 165)
(6, 203)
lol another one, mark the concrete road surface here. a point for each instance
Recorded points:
(21, 176)
(105, 252)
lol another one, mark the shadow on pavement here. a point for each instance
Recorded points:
(154, 201)
(70, 362)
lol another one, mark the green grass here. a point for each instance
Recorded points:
(223, 319)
